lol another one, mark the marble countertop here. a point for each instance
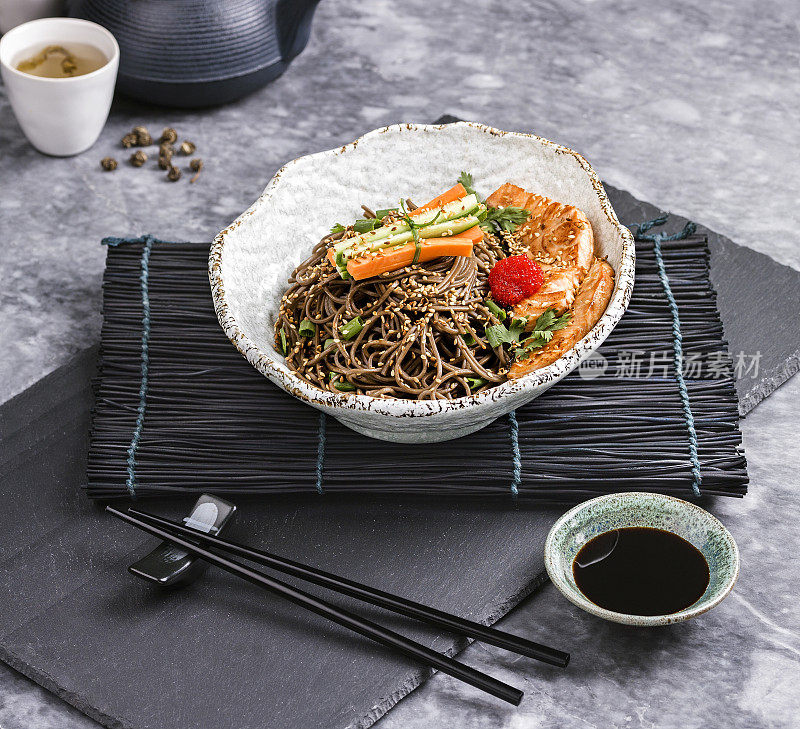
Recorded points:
(691, 107)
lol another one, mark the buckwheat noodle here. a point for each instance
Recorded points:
(423, 333)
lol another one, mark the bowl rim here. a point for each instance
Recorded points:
(571, 591)
(278, 373)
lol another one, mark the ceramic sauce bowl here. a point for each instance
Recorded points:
(639, 509)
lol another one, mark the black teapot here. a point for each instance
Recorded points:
(193, 53)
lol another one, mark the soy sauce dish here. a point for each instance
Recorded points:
(641, 559)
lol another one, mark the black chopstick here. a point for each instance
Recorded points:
(369, 595)
(338, 615)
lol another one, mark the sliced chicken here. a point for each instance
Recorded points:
(591, 301)
(556, 233)
(557, 292)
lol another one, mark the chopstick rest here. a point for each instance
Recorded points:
(168, 565)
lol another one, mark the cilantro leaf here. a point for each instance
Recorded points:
(507, 219)
(542, 333)
(548, 321)
(498, 334)
(337, 228)
(465, 178)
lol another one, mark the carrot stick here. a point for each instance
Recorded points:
(474, 234)
(393, 259)
(454, 193)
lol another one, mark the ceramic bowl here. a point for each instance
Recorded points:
(252, 258)
(638, 509)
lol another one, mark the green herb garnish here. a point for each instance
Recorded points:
(496, 310)
(328, 343)
(307, 328)
(475, 382)
(364, 225)
(498, 334)
(507, 219)
(381, 214)
(283, 341)
(465, 178)
(353, 327)
(469, 340)
(340, 384)
(550, 322)
(337, 228)
(542, 333)
(495, 219)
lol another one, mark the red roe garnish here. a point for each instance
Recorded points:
(515, 278)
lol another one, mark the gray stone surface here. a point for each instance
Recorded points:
(692, 107)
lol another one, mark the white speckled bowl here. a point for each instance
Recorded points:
(640, 509)
(251, 259)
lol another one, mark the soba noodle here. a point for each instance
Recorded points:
(423, 333)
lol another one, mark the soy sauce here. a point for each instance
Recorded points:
(641, 571)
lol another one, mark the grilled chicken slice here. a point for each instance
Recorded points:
(591, 301)
(557, 292)
(556, 233)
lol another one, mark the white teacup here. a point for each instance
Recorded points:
(59, 116)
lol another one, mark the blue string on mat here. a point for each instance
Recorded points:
(144, 278)
(320, 451)
(677, 336)
(516, 480)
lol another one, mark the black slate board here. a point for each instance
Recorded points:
(73, 620)
(131, 656)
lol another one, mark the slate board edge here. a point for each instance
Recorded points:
(86, 358)
(50, 684)
(775, 376)
(769, 384)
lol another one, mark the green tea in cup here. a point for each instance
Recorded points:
(56, 61)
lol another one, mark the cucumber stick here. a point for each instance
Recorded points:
(455, 209)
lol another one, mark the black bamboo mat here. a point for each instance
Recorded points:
(178, 410)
